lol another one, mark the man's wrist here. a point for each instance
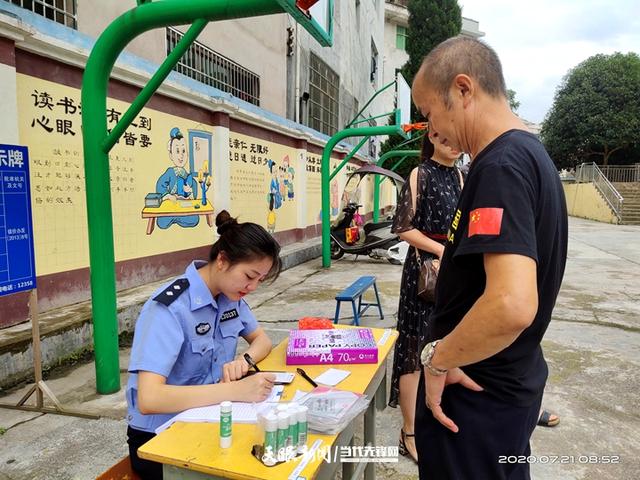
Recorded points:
(427, 359)
(436, 360)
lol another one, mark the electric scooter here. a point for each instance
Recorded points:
(375, 238)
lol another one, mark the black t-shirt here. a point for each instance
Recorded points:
(512, 202)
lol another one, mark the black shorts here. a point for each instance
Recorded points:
(146, 469)
(492, 434)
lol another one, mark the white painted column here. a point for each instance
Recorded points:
(8, 105)
(221, 170)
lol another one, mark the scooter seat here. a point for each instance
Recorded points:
(370, 227)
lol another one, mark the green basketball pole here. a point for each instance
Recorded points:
(98, 142)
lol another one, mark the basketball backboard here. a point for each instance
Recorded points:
(315, 16)
(403, 101)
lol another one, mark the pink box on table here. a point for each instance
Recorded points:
(336, 346)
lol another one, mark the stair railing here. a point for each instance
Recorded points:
(590, 173)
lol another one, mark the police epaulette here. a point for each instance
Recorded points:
(173, 291)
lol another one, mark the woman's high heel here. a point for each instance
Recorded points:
(402, 446)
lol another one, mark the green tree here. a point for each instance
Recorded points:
(430, 23)
(596, 112)
(513, 103)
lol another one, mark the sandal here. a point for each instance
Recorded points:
(545, 419)
(402, 446)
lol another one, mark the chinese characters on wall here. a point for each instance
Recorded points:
(62, 115)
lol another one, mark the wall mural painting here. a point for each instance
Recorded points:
(281, 188)
(182, 193)
(262, 186)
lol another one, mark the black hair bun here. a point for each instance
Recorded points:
(224, 221)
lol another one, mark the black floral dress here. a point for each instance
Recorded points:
(436, 199)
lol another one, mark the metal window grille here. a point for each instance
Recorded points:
(64, 12)
(209, 67)
(323, 96)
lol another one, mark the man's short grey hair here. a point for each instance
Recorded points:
(462, 55)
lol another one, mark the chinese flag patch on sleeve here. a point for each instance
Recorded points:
(485, 221)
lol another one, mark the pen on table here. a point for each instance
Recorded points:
(306, 377)
(251, 363)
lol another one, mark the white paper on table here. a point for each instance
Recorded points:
(332, 377)
(241, 412)
(385, 337)
(299, 394)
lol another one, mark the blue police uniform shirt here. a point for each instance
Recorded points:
(185, 335)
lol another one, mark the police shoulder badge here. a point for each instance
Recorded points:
(173, 291)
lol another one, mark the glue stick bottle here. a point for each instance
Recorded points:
(302, 428)
(283, 432)
(225, 424)
(270, 446)
(293, 428)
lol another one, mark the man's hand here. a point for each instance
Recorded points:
(234, 370)
(434, 386)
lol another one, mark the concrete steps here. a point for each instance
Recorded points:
(631, 205)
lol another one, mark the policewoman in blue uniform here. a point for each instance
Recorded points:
(184, 345)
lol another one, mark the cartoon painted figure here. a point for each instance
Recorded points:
(282, 183)
(274, 186)
(334, 199)
(271, 216)
(289, 183)
(176, 182)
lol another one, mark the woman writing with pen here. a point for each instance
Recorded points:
(184, 345)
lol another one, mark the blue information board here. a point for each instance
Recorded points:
(17, 265)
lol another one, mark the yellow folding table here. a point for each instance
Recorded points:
(191, 450)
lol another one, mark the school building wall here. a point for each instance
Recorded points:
(245, 148)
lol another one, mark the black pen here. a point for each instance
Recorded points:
(306, 377)
(250, 361)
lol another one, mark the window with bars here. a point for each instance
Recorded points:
(401, 37)
(324, 86)
(373, 75)
(60, 11)
(209, 67)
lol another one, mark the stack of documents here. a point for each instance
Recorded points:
(241, 412)
(331, 410)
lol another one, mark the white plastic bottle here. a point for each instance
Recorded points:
(225, 424)
(270, 446)
(302, 428)
(283, 432)
(293, 428)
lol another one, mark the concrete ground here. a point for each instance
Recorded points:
(592, 347)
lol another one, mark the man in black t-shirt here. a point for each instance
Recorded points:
(484, 371)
